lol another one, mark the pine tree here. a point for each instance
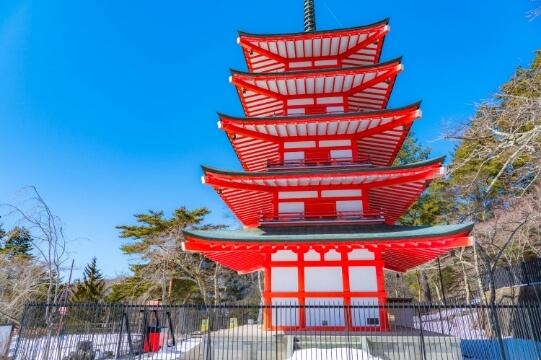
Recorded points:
(16, 242)
(92, 288)
(433, 203)
(498, 155)
(157, 245)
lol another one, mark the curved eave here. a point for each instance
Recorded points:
(351, 89)
(319, 49)
(315, 33)
(314, 118)
(248, 253)
(390, 190)
(294, 173)
(376, 134)
(307, 234)
(307, 73)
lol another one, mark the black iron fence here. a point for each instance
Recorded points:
(403, 331)
(474, 297)
(525, 273)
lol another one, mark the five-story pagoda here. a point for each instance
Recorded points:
(319, 198)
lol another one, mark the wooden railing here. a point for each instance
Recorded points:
(323, 162)
(296, 218)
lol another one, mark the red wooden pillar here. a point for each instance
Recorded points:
(382, 297)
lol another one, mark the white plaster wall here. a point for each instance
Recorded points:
(284, 255)
(349, 205)
(319, 278)
(363, 278)
(299, 144)
(361, 254)
(291, 207)
(360, 314)
(312, 255)
(306, 101)
(328, 99)
(332, 255)
(293, 111)
(336, 154)
(332, 109)
(332, 143)
(296, 64)
(297, 194)
(284, 279)
(333, 316)
(341, 193)
(326, 63)
(294, 155)
(285, 316)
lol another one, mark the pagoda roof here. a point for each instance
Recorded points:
(390, 189)
(402, 247)
(377, 134)
(346, 47)
(364, 88)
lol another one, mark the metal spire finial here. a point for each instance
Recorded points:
(309, 16)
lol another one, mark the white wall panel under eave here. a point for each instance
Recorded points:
(306, 101)
(341, 193)
(361, 254)
(349, 205)
(333, 143)
(290, 207)
(284, 279)
(365, 316)
(312, 255)
(330, 100)
(326, 62)
(296, 111)
(297, 194)
(363, 278)
(286, 316)
(294, 155)
(284, 255)
(320, 278)
(332, 255)
(299, 144)
(327, 315)
(341, 154)
(335, 109)
(297, 64)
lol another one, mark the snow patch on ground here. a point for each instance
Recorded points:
(333, 354)
(105, 347)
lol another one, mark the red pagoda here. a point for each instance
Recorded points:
(319, 197)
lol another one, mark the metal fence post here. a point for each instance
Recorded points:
(421, 334)
(21, 327)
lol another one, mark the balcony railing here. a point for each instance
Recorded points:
(363, 161)
(298, 218)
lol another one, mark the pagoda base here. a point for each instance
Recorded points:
(333, 289)
(251, 342)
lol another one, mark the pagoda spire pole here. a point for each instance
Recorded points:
(309, 16)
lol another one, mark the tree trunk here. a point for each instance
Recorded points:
(260, 284)
(426, 287)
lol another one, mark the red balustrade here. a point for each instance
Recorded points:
(297, 218)
(363, 161)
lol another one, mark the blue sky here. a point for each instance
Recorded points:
(109, 107)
